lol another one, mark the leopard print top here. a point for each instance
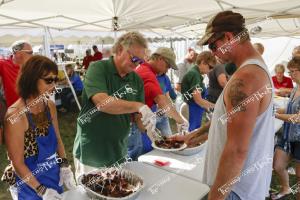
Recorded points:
(42, 124)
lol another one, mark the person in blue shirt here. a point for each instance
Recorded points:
(162, 121)
(166, 86)
(67, 96)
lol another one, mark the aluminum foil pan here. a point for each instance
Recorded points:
(133, 179)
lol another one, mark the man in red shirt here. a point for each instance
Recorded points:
(159, 63)
(283, 85)
(87, 59)
(97, 53)
(9, 70)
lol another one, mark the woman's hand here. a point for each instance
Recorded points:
(51, 194)
(67, 178)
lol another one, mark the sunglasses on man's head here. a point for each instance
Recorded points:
(50, 80)
(29, 52)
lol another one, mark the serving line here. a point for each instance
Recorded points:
(180, 179)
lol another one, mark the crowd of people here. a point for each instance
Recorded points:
(134, 96)
(98, 55)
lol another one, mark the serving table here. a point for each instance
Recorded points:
(181, 179)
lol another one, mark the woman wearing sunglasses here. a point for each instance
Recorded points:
(38, 166)
(288, 145)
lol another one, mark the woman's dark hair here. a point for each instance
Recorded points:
(35, 68)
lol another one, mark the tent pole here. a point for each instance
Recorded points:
(46, 42)
(71, 86)
(115, 36)
(171, 43)
(186, 46)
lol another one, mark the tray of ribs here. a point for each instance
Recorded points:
(111, 184)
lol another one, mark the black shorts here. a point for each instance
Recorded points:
(294, 151)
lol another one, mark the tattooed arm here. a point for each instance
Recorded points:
(239, 127)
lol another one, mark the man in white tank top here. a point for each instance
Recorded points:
(238, 163)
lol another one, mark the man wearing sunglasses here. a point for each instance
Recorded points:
(237, 144)
(9, 70)
(159, 63)
(117, 92)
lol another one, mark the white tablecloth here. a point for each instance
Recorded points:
(188, 166)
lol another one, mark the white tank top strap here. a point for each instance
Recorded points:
(261, 64)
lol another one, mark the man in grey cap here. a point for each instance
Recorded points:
(159, 63)
(238, 163)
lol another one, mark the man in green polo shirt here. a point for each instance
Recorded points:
(112, 93)
(193, 89)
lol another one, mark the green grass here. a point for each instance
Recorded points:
(67, 125)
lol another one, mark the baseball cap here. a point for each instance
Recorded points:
(226, 21)
(168, 54)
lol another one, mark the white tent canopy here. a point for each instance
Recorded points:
(83, 21)
(35, 36)
(164, 18)
(91, 21)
